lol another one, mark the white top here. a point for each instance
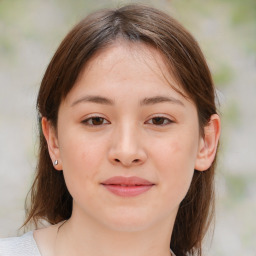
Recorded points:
(19, 246)
(24, 245)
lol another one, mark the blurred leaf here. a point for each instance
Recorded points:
(223, 75)
(231, 113)
(236, 185)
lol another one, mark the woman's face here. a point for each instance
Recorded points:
(123, 119)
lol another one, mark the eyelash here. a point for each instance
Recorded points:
(89, 121)
(163, 118)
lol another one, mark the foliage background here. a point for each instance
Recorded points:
(30, 31)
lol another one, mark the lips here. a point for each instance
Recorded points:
(127, 186)
(126, 181)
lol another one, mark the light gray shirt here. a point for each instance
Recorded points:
(24, 245)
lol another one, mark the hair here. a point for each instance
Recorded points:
(49, 197)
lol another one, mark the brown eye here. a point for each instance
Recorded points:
(160, 121)
(95, 121)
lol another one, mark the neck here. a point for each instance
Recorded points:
(82, 237)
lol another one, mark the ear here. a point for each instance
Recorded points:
(208, 144)
(50, 135)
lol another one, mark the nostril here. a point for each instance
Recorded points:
(117, 160)
(136, 160)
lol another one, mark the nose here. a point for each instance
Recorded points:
(126, 147)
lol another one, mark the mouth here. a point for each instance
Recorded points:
(127, 186)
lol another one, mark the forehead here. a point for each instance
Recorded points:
(122, 51)
(126, 62)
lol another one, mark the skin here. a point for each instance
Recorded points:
(157, 140)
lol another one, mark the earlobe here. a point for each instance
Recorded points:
(208, 144)
(52, 142)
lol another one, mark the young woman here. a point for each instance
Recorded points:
(128, 141)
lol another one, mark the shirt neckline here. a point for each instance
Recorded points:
(31, 234)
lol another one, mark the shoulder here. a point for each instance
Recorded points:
(24, 245)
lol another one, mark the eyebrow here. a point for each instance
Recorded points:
(146, 101)
(94, 99)
(160, 99)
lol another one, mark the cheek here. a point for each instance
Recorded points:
(81, 158)
(79, 152)
(175, 160)
(177, 153)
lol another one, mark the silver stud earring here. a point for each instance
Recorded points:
(55, 162)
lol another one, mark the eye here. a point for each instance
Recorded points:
(159, 121)
(95, 121)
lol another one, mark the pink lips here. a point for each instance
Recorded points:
(127, 186)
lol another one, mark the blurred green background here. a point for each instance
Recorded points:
(30, 31)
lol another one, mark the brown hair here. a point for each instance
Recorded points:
(50, 199)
